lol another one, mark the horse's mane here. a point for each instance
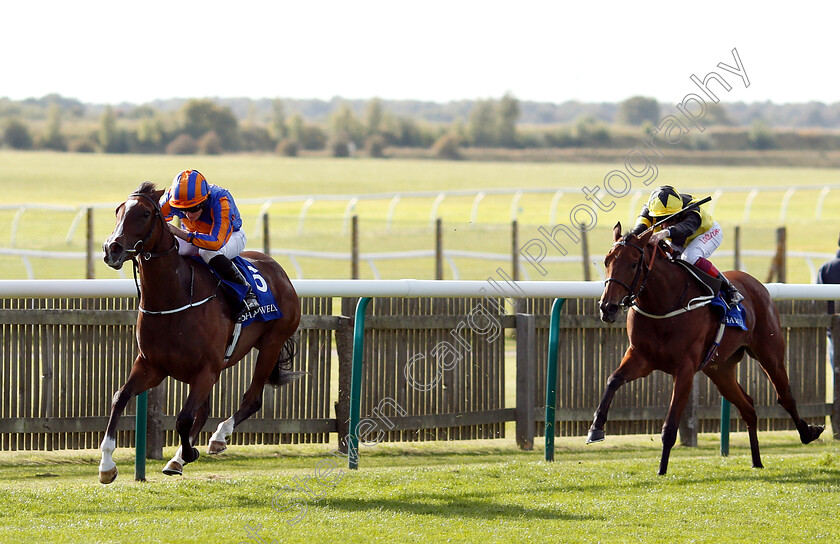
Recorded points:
(626, 236)
(146, 188)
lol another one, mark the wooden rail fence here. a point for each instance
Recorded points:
(434, 369)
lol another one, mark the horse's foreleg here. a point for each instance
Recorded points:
(141, 378)
(682, 389)
(176, 464)
(189, 421)
(596, 431)
(200, 419)
(632, 366)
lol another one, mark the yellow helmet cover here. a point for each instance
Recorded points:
(664, 201)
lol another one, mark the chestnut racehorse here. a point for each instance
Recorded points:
(678, 345)
(184, 325)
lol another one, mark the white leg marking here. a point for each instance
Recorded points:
(224, 430)
(107, 447)
(177, 458)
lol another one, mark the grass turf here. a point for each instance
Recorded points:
(481, 491)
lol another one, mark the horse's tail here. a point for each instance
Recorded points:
(282, 373)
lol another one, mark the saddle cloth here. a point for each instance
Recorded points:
(268, 309)
(732, 317)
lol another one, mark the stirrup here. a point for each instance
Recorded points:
(731, 296)
(249, 304)
(250, 301)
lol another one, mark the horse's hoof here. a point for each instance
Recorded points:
(108, 476)
(193, 456)
(215, 447)
(173, 468)
(814, 432)
(595, 435)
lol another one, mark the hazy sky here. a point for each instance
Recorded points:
(431, 50)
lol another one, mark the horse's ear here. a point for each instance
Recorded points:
(617, 231)
(159, 193)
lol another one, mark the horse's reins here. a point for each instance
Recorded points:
(629, 301)
(138, 250)
(693, 304)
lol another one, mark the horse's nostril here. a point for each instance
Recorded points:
(114, 247)
(608, 308)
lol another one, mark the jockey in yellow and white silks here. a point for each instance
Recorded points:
(695, 233)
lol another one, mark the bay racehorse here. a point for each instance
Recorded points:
(678, 345)
(184, 325)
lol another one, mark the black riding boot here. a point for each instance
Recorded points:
(730, 292)
(228, 271)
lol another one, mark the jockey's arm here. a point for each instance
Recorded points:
(214, 235)
(179, 233)
(684, 227)
(643, 222)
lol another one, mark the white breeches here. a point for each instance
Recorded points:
(704, 245)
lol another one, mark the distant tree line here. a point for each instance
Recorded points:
(349, 127)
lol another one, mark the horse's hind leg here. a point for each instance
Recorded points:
(267, 359)
(771, 358)
(142, 377)
(723, 376)
(633, 366)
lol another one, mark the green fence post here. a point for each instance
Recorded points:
(724, 427)
(356, 383)
(140, 437)
(551, 377)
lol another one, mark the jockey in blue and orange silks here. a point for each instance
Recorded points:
(695, 234)
(212, 226)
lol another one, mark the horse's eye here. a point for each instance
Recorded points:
(634, 266)
(146, 214)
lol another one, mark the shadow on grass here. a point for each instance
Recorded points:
(455, 507)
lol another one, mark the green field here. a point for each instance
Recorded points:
(78, 180)
(482, 491)
(477, 491)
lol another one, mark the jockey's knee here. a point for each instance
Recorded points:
(208, 254)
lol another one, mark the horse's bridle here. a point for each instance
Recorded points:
(138, 250)
(139, 246)
(633, 291)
